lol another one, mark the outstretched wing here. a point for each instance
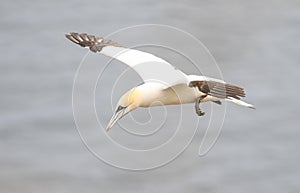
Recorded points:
(148, 66)
(218, 89)
(215, 87)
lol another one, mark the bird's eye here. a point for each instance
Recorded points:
(120, 108)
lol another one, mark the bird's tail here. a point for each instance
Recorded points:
(240, 102)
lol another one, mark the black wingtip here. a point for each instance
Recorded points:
(92, 42)
(72, 36)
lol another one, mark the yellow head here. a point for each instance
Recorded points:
(127, 103)
(144, 95)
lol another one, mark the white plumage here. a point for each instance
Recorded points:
(163, 83)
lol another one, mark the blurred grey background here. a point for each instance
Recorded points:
(256, 44)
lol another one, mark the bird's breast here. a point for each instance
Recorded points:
(178, 94)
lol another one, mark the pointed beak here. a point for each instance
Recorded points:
(121, 112)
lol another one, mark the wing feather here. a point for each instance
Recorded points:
(218, 89)
(148, 66)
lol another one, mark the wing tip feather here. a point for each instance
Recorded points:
(92, 42)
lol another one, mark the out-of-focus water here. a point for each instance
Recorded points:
(256, 44)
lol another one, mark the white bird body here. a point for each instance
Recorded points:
(155, 94)
(163, 84)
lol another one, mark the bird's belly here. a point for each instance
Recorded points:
(178, 94)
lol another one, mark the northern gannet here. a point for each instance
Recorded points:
(180, 88)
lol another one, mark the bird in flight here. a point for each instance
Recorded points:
(171, 87)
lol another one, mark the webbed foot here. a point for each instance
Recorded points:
(197, 106)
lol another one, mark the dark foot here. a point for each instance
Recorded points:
(197, 106)
(200, 113)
